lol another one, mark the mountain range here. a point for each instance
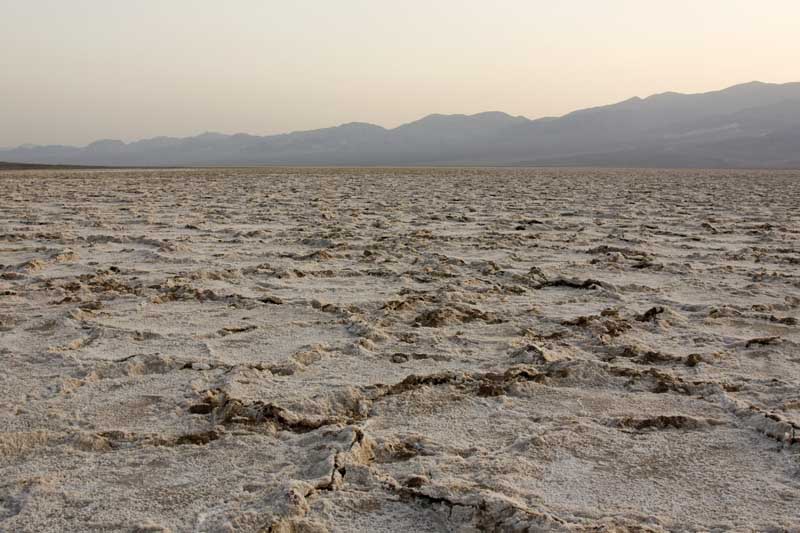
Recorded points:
(752, 125)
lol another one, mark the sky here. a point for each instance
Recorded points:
(75, 71)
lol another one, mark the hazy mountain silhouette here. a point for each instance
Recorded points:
(749, 125)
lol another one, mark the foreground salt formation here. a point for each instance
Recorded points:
(399, 350)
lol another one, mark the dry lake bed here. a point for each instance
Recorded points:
(415, 350)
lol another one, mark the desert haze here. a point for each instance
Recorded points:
(751, 125)
(347, 350)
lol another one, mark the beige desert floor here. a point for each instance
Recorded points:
(399, 350)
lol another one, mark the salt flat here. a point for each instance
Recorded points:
(310, 350)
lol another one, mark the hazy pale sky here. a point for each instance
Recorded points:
(73, 71)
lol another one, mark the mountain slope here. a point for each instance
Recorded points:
(749, 125)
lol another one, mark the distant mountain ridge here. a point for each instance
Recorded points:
(752, 125)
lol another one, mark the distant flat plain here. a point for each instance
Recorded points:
(311, 350)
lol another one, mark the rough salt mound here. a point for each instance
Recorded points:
(399, 350)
